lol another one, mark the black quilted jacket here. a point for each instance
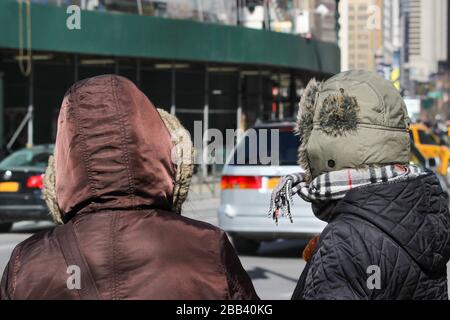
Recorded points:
(386, 241)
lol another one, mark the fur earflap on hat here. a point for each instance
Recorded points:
(339, 114)
(304, 124)
(182, 155)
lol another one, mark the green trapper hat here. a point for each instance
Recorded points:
(353, 120)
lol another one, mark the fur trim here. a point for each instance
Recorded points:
(49, 191)
(339, 114)
(304, 123)
(182, 156)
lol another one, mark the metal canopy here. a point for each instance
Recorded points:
(128, 35)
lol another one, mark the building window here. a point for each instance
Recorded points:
(361, 66)
(362, 17)
(362, 8)
(362, 37)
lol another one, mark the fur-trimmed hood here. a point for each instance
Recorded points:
(120, 174)
(353, 120)
(115, 150)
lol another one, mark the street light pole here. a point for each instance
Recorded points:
(30, 107)
(205, 123)
(267, 14)
(238, 12)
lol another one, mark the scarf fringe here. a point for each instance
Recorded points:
(333, 185)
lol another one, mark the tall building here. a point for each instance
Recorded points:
(390, 66)
(392, 40)
(426, 37)
(361, 38)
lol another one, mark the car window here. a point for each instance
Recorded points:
(425, 138)
(37, 158)
(278, 145)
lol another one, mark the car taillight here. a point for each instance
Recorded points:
(35, 182)
(241, 182)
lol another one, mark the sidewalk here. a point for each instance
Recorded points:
(203, 200)
(204, 188)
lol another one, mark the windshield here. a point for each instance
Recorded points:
(426, 138)
(264, 146)
(34, 157)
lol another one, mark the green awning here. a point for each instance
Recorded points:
(128, 35)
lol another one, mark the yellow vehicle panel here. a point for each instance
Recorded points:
(428, 145)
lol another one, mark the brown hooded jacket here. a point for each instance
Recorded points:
(116, 182)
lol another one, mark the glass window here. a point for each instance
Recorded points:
(425, 138)
(286, 149)
(34, 157)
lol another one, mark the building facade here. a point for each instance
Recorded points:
(361, 38)
(222, 75)
(426, 37)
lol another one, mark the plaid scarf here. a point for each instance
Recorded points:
(332, 185)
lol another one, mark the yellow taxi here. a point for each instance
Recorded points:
(428, 145)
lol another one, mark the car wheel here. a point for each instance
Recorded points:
(245, 246)
(5, 227)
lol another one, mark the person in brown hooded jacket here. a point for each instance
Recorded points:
(121, 172)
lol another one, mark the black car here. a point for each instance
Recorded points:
(21, 182)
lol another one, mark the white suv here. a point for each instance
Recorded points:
(246, 189)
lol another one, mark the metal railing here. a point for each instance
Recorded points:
(213, 11)
(260, 14)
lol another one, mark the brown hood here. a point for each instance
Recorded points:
(113, 150)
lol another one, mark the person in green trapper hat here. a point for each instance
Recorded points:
(388, 232)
